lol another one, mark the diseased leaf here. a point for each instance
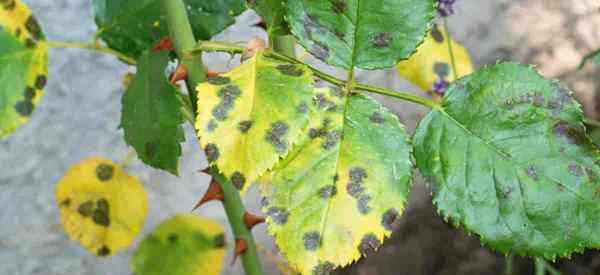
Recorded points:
(182, 245)
(272, 12)
(133, 26)
(23, 65)
(250, 117)
(151, 114)
(432, 64)
(369, 34)
(101, 206)
(508, 159)
(343, 187)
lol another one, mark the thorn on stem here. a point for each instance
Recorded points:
(164, 44)
(254, 46)
(214, 192)
(179, 74)
(205, 170)
(240, 248)
(210, 73)
(261, 24)
(250, 220)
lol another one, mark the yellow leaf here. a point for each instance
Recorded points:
(250, 117)
(101, 206)
(23, 64)
(432, 63)
(182, 245)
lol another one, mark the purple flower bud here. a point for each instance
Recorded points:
(440, 87)
(445, 8)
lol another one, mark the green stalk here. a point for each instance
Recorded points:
(91, 46)
(508, 264)
(219, 46)
(540, 268)
(449, 42)
(285, 44)
(183, 39)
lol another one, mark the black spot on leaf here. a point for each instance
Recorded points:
(212, 152)
(312, 240)
(238, 180)
(339, 6)
(219, 241)
(24, 107)
(381, 40)
(150, 149)
(8, 4)
(328, 191)
(275, 136)
(290, 69)
(368, 244)
(320, 51)
(244, 126)
(336, 91)
(363, 204)
(172, 238)
(104, 171)
(103, 251)
(65, 203)
(278, 215)
(101, 213)
(331, 140)
(29, 93)
(228, 95)
(29, 43)
(302, 108)
(441, 69)
(390, 220)
(323, 268)
(40, 82)
(218, 80)
(376, 118)
(212, 125)
(323, 103)
(86, 209)
(33, 27)
(572, 135)
(436, 34)
(357, 176)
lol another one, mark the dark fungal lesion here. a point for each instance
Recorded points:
(8, 5)
(312, 240)
(290, 70)
(339, 6)
(368, 244)
(103, 251)
(212, 152)
(278, 215)
(323, 268)
(381, 40)
(436, 34)
(101, 214)
(150, 149)
(219, 241)
(40, 81)
(238, 180)
(104, 171)
(218, 80)
(86, 209)
(376, 118)
(228, 95)
(244, 126)
(390, 220)
(328, 191)
(276, 136)
(33, 28)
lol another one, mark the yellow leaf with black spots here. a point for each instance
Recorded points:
(101, 206)
(23, 65)
(343, 187)
(182, 245)
(250, 117)
(432, 63)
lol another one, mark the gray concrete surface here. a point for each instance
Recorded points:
(79, 115)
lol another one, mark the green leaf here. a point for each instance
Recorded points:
(182, 245)
(508, 159)
(369, 34)
(593, 56)
(151, 114)
(101, 206)
(133, 26)
(250, 117)
(343, 187)
(23, 65)
(272, 12)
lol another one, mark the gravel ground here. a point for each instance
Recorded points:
(79, 115)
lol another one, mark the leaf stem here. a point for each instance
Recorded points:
(92, 46)
(540, 268)
(508, 264)
(450, 51)
(591, 122)
(231, 48)
(183, 39)
(181, 34)
(284, 44)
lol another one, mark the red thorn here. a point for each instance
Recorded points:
(179, 74)
(240, 247)
(210, 73)
(164, 44)
(205, 170)
(214, 192)
(261, 24)
(250, 220)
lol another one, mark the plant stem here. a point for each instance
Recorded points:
(235, 210)
(551, 269)
(508, 265)
(450, 51)
(591, 122)
(285, 44)
(91, 46)
(183, 39)
(540, 268)
(234, 49)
